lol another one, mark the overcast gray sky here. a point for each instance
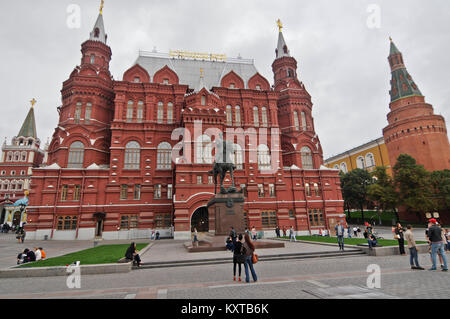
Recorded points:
(341, 52)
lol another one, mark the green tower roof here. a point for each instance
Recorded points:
(29, 126)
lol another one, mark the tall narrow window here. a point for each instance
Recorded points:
(140, 111)
(160, 117)
(77, 192)
(203, 100)
(130, 111)
(123, 192)
(158, 191)
(169, 191)
(170, 113)
(307, 159)
(360, 162)
(64, 190)
(132, 155)
(261, 190)
(263, 157)
(370, 161)
(137, 192)
(296, 122)
(303, 115)
(256, 116)
(164, 156)
(78, 113)
(76, 155)
(264, 117)
(316, 190)
(204, 150)
(307, 189)
(344, 168)
(229, 115)
(92, 58)
(88, 113)
(199, 179)
(271, 190)
(237, 116)
(238, 158)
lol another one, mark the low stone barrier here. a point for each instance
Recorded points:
(391, 250)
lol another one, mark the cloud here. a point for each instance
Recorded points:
(342, 62)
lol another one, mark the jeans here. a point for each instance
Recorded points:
(341, 242)
(413, 258)
(401, 246)
(249, 263)
(372, 243)
(434, 249)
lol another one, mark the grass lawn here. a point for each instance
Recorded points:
(370, 215)
(350, 241)
(105, 254)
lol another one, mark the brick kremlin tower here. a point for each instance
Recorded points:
(413, 127)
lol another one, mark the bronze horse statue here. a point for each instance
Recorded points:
(223, 164)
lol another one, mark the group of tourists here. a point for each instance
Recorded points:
(28, 256)
(243, 250)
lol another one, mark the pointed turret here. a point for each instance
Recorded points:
(402, 84)
(29, 125)
(98, 32)
(282, 48)
(201, 83)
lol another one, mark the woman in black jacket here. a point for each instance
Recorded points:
(132, 254)
(399, 233)
(238, 257)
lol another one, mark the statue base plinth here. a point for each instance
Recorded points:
(226, 211)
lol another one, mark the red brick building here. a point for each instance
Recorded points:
(16, 163)
(413, 127)
(128, 157)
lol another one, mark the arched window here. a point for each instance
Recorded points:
(256, 116)
(303, 115)
(360, 162)
(263, 157)
(296, 122)
(16, 156)
(336, 166)
(140, 111)
(160, 117)
(238, 115)
(307, 159)
(170, 113)
(204, 150)
(132, 155)
(164, 160)
(307, 189)
(229, 115)
(264, 117)
(76, 155)
(130, 108)
(316, 190)
(10, 157)
(92, 58)
(344, 168)
(24, 157)
(238, 158)
(88, 113)
(370, 161)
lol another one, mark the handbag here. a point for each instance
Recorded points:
(255, 258)
(396, 236)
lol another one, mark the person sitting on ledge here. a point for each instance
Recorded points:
(230, 245)
(132, 254)
(372, 241)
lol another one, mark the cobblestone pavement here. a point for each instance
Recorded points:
(293, 279)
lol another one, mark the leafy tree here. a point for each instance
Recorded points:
(413, 184)
(354, 187)
(440, 183)
(383, 192)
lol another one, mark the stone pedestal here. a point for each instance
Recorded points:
(225, 211)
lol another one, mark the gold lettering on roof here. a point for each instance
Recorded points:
(197, 56)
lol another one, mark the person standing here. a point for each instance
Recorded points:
(277, 231)
(400, 236)
(254, 233)
(238, 257)
(349, 232)
(292, 234)
(435, 237)
(233, 235)
(284, 231)
(249, 250)
(21, 235)
(414, 259)
(340, 235)
(195, 241)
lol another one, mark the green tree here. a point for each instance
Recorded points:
(354, 189)
(383, 192)
(413, 185)
(440, 182)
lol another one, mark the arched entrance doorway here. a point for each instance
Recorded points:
(16, 218)
(200, 220)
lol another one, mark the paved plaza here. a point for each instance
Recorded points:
(333, 277)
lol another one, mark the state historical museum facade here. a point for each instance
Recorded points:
(132, 156)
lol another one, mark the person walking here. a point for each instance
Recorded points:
(254, 235)
(292, 234)
(20, 235)
(339, 228)
(284, 231)
(400, 236)
(349, 232)
(133, 254)
(238, 257)
(414, 258)
(195, 240)
(249, 250)
(435, 237)
(355, 231)
(277, 231)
